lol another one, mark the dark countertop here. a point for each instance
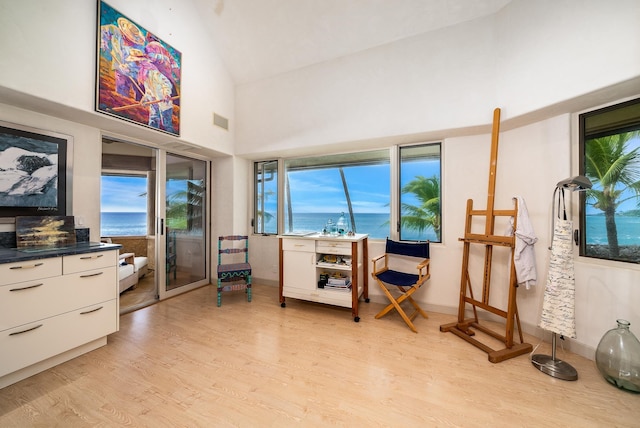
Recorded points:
(12, 255)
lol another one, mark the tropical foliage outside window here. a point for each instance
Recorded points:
(610, 150)
(184, 204)
(185, 195)
(266, 197)
(420, 217)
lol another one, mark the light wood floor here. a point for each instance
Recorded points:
(143, 294)
(186, 362)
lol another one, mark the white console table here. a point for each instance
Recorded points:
(303, 259)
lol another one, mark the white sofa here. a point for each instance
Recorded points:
(140, 264)
(127, 275)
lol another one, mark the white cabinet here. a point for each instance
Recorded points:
(54, 309)
(324, 269)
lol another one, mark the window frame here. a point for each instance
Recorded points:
(373, 156)
(394, 204)
(400, 185)
(601, 129)
(255, 223)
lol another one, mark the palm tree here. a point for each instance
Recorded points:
(184, 207)
(614, 170)
(427, 215)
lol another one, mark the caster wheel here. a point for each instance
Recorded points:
(356, 319)
(366, 300)
(282, 305)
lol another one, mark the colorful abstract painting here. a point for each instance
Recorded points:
(138, 75)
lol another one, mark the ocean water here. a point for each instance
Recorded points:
(123, 224)
(375, 225)
(628, 230)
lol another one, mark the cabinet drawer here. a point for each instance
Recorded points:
(33, 269)
(89, 261)
(34, 342)
(299, 245)
(34, 300)
(333, 247)
(332, 297)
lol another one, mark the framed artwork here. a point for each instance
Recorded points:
(35, 172)
(138, 75)
(45, 231)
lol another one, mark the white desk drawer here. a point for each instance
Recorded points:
(89, 261)
(308, 245)
(11, 273)
(34, 342)
(34, 300)
(333, 247)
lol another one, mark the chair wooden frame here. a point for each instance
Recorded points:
(231, 272)
(405, 283)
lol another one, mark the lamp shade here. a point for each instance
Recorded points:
(579, 182)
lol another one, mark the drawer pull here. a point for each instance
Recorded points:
(26, 267)
(91, 274)
(27, 287)
(92, 310)
(91, 257)
(25, 331)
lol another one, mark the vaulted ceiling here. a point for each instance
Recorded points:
(262, 38)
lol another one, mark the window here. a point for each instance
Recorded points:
(420, 218)
(322, 188)
(123, 202)
(266, 197)
(355, 187)
(610, 158)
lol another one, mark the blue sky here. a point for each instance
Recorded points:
(122, 194)
(321, 191)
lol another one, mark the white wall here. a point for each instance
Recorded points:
(48, 66)
(49, 55)
(549, 51)
(529, 56)
(539, 61)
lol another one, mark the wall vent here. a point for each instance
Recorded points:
(220, 121)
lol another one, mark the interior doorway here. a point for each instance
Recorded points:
(127, 217)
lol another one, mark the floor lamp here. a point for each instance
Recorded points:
(560, 289)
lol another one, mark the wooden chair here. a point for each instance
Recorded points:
(233, 270)
(401, 283)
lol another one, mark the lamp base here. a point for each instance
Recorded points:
(554, 367)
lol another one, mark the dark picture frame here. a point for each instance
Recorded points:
(137, 74)
(35, 172)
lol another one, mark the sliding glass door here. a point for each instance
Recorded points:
(183, 225)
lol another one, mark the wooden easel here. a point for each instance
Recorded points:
(462, 327)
